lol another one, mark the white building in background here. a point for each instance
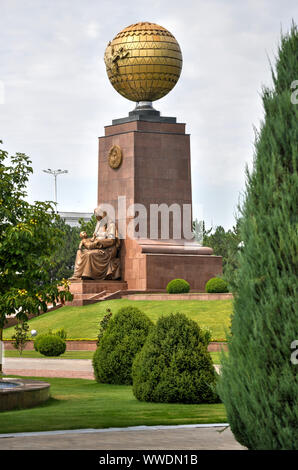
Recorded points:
(72, 218)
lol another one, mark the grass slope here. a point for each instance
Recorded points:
(79, 403)
(83, 322)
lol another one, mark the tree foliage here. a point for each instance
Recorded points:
(224, 243)
(64, 254)
(21, 336)
(88, 226)
(259, 382)
(28, 239)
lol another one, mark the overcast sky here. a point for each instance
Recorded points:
(56, 98)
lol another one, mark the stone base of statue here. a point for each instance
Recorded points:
(151, 264)
(87, 292)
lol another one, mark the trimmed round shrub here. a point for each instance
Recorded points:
(124, 337)
(51, 345)
(61, 333)
(216, 285)
(178, 286)
(37, 341)
(174, 365)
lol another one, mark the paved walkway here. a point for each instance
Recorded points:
(34, 367)
(142, 438)
(67, 368)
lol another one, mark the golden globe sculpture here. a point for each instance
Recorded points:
(143, 62)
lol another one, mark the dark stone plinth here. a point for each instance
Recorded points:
(144, 112)
(144, 117)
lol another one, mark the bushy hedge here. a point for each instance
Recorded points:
(60, 333)
(37, 341)
(51, 345)
(178, 286)
(174, 364)
(103, 325)
(124, 337)
(216, 285)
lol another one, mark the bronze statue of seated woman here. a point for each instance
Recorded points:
(97, 257)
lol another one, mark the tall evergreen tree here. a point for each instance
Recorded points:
(259, 383)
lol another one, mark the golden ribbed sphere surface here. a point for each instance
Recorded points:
(143, 62)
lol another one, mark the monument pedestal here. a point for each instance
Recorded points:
(155, 169)
(144, 168)
(87, 292)
(150, 264)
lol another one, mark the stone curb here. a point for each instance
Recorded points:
(130, 428)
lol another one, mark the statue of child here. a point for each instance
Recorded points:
(91, 243)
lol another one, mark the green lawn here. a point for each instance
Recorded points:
(35, 354)
(83, 322)
(80, 355)
(79, 403)
(216, 356)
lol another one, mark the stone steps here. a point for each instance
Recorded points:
(92, 291)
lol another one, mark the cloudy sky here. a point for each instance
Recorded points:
(55, 97)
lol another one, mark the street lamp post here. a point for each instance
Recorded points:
(55, 173)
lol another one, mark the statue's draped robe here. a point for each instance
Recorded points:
(99, 260)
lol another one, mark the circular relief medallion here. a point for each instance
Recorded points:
(115, 156)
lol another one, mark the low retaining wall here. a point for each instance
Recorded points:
(71, 345)
(189, 296)
(217, 346)
(90, 345)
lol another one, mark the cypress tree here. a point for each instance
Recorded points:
(259, 381)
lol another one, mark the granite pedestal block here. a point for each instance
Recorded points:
(87, 292)
(155, 169)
